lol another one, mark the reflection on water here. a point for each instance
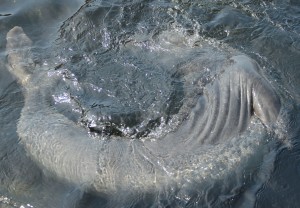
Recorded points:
(124, 73)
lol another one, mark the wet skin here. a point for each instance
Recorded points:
(62, 147)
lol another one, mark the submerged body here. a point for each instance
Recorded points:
(223, 111)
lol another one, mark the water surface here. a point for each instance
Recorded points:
(129, 54)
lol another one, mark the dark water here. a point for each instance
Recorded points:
(130, 49)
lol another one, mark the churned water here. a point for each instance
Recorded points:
(131, 70)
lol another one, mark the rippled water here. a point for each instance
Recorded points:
(123, 67)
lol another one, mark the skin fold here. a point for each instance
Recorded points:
(59, 145)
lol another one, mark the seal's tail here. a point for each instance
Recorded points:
(18, 48)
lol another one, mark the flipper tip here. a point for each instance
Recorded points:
(18, 54)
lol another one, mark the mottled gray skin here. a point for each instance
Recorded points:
(60, 146)
(227, 105)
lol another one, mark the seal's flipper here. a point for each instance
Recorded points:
(19, 56)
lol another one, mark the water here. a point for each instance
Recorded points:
(128, 57)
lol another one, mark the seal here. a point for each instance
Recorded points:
(106, 166)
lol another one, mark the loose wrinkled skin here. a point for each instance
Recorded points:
(65, 149)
